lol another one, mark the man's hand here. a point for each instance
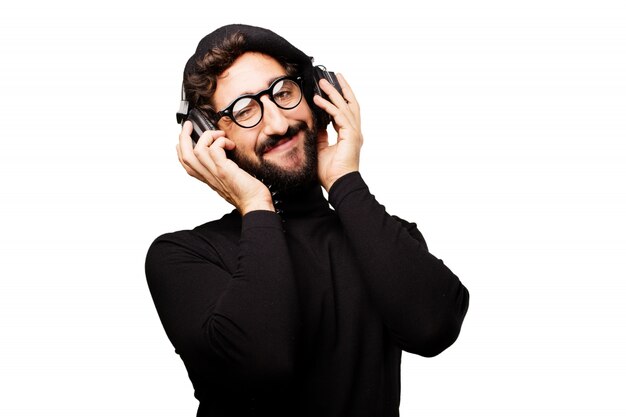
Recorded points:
(208, 163)
(342, 157)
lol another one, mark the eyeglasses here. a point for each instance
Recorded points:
(247, 110)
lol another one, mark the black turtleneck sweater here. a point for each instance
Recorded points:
(303, 313)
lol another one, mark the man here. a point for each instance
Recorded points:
(286, 306)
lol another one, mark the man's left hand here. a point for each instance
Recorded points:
(334, 161)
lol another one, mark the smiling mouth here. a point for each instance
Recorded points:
(277, 144)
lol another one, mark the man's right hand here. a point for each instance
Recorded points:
(207, 162)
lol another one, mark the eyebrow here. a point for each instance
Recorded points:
(269, 82)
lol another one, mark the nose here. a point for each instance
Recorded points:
(274, 120)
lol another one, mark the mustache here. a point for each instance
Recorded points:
(272, 140)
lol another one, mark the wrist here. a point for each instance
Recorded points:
(328, 183)
(261, 204)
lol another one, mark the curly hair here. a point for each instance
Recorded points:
(200, 84)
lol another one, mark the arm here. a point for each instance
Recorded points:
(420, 300)
(245, 319)
(240, 316)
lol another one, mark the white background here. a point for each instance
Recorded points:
(499, 127)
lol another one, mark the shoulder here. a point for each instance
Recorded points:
(210, 242)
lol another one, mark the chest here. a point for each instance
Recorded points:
(334, 304)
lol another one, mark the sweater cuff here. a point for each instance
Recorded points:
(345, 186)
(261, 219)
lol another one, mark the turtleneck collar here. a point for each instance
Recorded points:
(305, 199)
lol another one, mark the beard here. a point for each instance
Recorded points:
(279, 178)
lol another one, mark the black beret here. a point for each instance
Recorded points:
(256, 40)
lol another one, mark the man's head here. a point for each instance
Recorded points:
(239, 60)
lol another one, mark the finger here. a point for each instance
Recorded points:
(184, 148)
(188, 127)
(216, 156)
(185, 135)
(187, 156)
(207, 138)
(187, 167)
(178, 154)
(341, 118)
(348, 94)
(351, 110)
(350, 98)
(185, 144)
(224, 143)
(335, 97)
(325, 105)
(202, 149)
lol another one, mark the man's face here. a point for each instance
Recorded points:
(281, 149)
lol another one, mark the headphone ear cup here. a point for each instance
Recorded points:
(200, 124)
(319, 73)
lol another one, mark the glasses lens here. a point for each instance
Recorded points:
(286, 94)
(247, 111)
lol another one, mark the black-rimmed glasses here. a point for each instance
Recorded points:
(247, 110)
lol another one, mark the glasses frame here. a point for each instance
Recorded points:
(228, 111)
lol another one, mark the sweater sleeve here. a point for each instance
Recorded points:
(246, 319)
(420, 300)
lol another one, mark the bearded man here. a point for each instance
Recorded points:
(292, 304)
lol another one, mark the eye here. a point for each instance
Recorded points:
(245, 108)
(283, 94)
(286, 92)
